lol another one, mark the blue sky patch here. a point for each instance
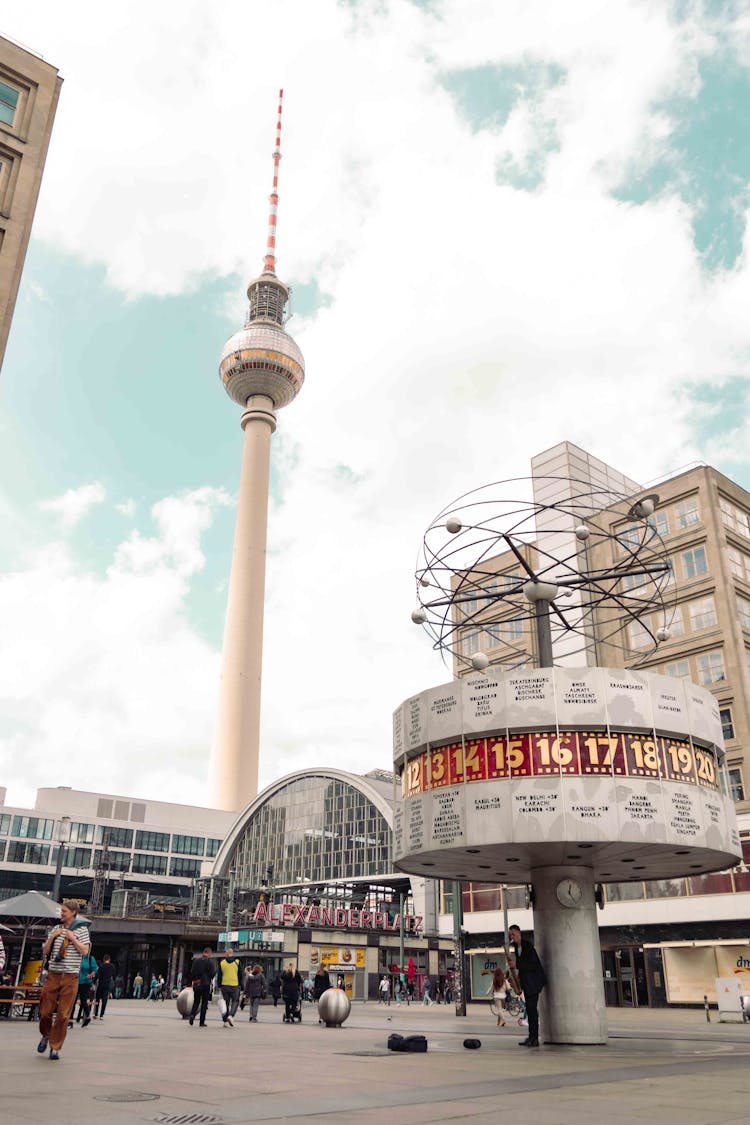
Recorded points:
(705, 160)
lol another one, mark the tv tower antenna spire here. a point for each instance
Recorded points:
(262, 369)
(269, 263)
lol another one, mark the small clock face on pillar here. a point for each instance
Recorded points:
(569, 892)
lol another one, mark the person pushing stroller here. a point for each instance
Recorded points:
(291, 989)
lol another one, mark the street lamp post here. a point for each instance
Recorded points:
(63, 836)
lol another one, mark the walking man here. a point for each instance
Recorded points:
(202, 973)
(137, 986)
(66, 945)
(532, 979)
(229, 980)
(103, 986)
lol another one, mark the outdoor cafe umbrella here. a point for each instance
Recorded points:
(29, 910)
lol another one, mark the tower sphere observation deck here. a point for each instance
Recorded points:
(262, 359)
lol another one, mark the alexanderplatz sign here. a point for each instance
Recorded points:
(291, 914)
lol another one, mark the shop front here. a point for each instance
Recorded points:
(691, 968)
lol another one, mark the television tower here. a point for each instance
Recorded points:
(262, 369)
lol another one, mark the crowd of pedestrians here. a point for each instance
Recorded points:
(71, 974)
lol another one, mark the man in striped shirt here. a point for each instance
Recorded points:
(65, 946)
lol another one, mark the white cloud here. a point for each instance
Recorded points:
(104, 682)
(75, 504)
(127, 508)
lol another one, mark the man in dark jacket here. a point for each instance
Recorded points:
(532, 978)
(202, 973)
(104, 984)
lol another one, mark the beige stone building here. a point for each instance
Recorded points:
(29, 91)
(703, 519)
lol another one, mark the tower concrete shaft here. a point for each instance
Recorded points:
(262, 370)
(238, 723)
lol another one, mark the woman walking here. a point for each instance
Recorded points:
(291, 983)
(255, 991)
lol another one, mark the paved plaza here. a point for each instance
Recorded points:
(144, 1064)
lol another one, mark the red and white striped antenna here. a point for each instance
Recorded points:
(269, 262)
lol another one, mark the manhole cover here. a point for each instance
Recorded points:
(187, 1118)
(127, 1096)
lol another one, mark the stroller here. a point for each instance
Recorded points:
(296, 1016)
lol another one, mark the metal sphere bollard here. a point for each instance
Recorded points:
(184, 1002)
(334, 1007)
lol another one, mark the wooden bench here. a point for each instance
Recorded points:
(21, 1000)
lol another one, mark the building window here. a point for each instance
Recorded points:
(687, 513)
(739, 564)
(727, 726)
(675, 623)
(734, 518)
(32, 827)
(710, 667)
(492, 636)
(469, 605)
(81, 833)
(624, 892)
(702, 614)
(149, 864)
(186, 868)
(188, 845)
(694, 562)
(8, 103)
(212, 848)
(635, 581)
(118, 861)
(152, 841)
(666, 888)
(27, 853)
(743, 612)
(634, 534)
(678, 668)
(630, 537)
(471, 641)
(4, 824)
(736, 788)
(114, 837)
(513, 628)
(639, 636)
(73, 857)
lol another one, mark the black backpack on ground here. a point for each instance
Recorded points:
(413, 1044)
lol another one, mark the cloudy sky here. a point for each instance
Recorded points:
(505, 224)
